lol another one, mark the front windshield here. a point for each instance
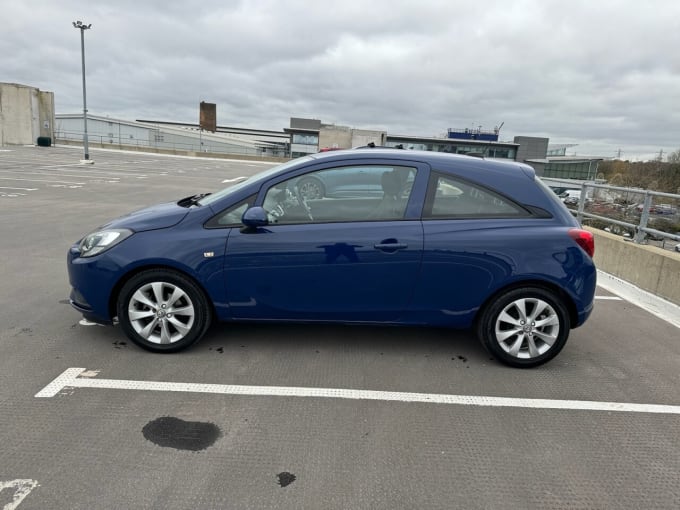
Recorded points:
(260, 176)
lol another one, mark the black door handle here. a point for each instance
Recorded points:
(390, 247)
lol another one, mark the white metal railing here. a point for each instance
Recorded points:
(194, 146)
(599, 202)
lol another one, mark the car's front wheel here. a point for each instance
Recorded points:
(163, 311)
(524, 327)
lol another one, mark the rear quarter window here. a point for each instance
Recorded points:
(449, 197)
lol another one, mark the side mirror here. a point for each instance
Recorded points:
(255, 217)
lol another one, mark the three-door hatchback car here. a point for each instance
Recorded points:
(452, 241)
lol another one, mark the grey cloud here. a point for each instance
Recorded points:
(604, 75)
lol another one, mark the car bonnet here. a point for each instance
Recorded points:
(150, 218)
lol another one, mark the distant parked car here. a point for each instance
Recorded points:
(665, 209)
(661, 209)
(451, 241)
(346, 182)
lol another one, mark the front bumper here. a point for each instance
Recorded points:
(92, 282)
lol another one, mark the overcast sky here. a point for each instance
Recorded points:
(601, 74)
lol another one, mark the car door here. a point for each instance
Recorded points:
(346, 258)
(471, 244)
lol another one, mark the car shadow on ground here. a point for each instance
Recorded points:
(359, 339)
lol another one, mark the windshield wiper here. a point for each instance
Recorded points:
(192, 200)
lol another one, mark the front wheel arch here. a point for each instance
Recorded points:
(162, 310)
(115, 293)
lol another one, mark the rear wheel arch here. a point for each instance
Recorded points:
(550, 287)
(524, 326)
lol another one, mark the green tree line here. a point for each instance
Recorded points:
(652, 175)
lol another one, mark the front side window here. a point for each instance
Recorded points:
(231, 217)
(453, 198)
(348, 193)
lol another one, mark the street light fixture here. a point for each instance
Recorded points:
(82, 27)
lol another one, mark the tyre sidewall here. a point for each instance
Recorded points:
(486, 329)
(201, 309)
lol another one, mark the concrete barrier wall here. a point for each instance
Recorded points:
(650, 268)
(25, 114)
(16, 116)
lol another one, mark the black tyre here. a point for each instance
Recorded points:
(311, 188)
(524, 327)
(163, 311)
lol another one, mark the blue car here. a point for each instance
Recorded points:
(450, 240)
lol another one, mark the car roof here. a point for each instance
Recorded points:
(432, 157)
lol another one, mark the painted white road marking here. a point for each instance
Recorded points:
(37, 180)
(235, 179)
(609, 298)
(60, 174)
(70, 379)
(22, 189)
(60, 166)
(22, 488)
(85, 322)
(670, 312)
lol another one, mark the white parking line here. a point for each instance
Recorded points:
(60, 166)
(22, 488)
(69, 379)
(609, 298)
(58, 174)
(37, 180)
(22, 189)
(670, 312)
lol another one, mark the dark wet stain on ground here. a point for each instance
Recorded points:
(119, 345)
(170, 432)
(462, 358)
(285, 478)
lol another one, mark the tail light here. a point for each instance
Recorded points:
(584, 239)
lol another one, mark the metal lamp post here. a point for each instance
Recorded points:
(82, 27)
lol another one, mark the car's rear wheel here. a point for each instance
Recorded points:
(311, 188)
(524, 327)
(163, 311)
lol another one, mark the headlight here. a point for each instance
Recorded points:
(97, 242)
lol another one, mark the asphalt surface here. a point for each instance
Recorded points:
(104, 447)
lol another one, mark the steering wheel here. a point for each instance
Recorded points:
(301, 200)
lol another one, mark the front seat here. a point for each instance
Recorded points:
(390, 207)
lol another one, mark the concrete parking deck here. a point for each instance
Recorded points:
(292, 416)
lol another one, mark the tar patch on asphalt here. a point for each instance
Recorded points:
(285, 478)
(170, 432)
